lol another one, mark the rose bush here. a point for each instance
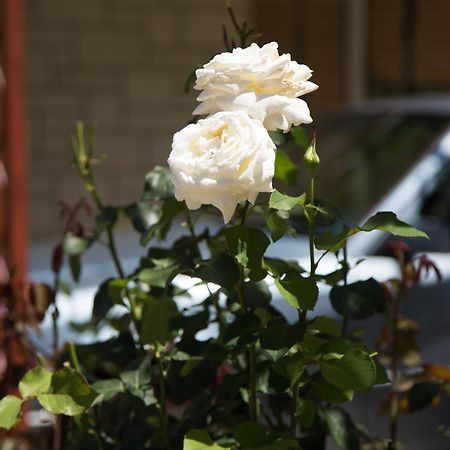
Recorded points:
(222, 160)
(202, 358)
(259, 81)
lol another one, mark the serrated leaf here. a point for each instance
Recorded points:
(388, 222)
(35, 382)
(358, 300)
(355, 370)
(283, 202)
(248, 245)
(300, 292)
(68, 394)
(221, 269)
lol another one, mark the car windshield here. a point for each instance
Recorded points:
(364, 155)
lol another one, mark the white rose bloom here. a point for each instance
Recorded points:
(259, 81)
(222, 160)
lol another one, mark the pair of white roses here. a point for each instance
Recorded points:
(229, 157)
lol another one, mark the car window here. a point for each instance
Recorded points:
(363, 156)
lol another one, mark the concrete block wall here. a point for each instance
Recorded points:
(121, 63)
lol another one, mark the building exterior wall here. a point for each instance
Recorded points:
(121, 63)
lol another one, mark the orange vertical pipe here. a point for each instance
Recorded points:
(14, 154)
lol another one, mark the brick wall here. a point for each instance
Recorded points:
(402, 62)
(121, 63)
(313, 31)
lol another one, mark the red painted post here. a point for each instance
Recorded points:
(14, 207)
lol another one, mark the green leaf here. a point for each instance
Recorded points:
(331, 394)
(300, 137)
(278, 267)
(283, 202)
(355, 370)
(388, 221)
(382, 377)
(257, 295)
(156, 318)
(333, 242)
(35, 382)
(229, 388)
(107, 389)
(74, 245)
(169, 210)
(116, 290)
(341, 428)
(285, 169)
(306, 412)
(422, 394)
(143, 215)
(243, 325)
(199, 440)
(107, 218)
(252, 436)
(281, 335)
(9, 411)
(158, 184)
(190, 364)
(68, 394)
(248, 246)
(102, 302)
(278, 137)
(75, 267)
(138, 382)
(277, 224)
(221, 269)
(359, 300)
(300, 292)
(157, 276)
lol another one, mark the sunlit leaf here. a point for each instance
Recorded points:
(35, 382)
(9, 411)
(68, 394)
(388, 221)
(283, 202)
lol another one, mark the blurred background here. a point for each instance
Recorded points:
(123, 64)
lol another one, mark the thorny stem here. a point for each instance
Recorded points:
(310, 216)
(253, 408)
(162, 397)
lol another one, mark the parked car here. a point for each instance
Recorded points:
(385, 155)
